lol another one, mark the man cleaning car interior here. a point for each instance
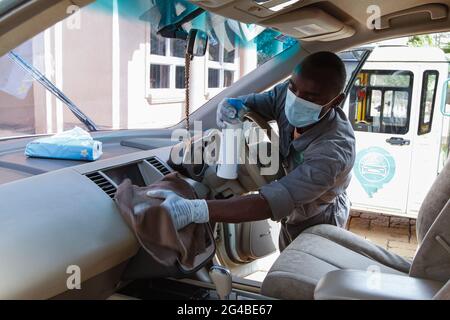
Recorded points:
(317, 141)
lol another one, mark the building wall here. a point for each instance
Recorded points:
(16, 97)
(86, 72)
(17, 115)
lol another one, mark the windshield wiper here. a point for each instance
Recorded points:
(43, 80)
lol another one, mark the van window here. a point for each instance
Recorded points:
(380, 101)
(427, 101)
(445, 136)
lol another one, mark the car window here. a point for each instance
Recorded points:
(109, 59)
(352, 59)
(380, 101)
(428, 100)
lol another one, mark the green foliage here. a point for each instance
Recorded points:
(440, 40)
(420, 41)
(269, 46)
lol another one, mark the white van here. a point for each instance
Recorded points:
(401, 131)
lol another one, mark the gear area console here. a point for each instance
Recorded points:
(172, 289)
(143, 173)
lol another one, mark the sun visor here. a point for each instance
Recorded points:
(311, 24)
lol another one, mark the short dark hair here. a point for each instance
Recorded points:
(318, 64)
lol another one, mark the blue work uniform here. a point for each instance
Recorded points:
(319, 166)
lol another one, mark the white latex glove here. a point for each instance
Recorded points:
(230, 111)
(183, 211)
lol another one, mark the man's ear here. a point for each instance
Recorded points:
(337, 102)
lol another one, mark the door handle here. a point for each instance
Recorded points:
(398, 141)
(435, 11)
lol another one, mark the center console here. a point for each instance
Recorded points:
(143, 173)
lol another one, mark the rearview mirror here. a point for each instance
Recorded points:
(197, 42)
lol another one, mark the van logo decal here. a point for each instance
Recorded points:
(374, 167)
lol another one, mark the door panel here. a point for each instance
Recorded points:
(249, 241)
(427, 143)
(445, 131)
(380, 111)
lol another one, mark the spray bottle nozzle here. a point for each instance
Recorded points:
(236, 103)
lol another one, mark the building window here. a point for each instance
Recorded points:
(228, 56)
(222, 66)
(213, 78)
(159, 76)
(214, 52)
(166, 62)
(157, 44)
(177, 48)
(380, 101)
(427, 101)
(228, 78)
(179, 77)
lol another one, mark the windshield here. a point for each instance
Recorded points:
(109, 61)
(8, 5)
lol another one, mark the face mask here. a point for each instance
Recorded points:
(300, 112)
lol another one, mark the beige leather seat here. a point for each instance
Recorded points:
(325, 248)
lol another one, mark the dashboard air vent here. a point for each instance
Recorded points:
(155, 162)
(103, 183)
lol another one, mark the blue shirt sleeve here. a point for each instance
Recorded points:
(267, 104)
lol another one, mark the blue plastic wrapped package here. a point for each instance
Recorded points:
(75, 144)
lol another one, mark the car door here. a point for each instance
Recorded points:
(379, 108)
(428, 131)
(445, 134)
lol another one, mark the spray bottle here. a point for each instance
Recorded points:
(230, 145)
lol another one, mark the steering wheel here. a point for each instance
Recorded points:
(254, 175)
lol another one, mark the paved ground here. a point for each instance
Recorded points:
(392, 233)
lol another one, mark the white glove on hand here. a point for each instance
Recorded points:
(231, 111)
(182, 211)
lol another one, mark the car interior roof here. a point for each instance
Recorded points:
(347, 17)
(403, 17)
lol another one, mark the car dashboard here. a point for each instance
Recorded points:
(57, 216)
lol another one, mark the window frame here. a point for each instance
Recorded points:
(161, 95)
(219, 71)
(383, 89)
(423, 96)
(184, 77)
(160, 65)
(233, 73)
(221, 66)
